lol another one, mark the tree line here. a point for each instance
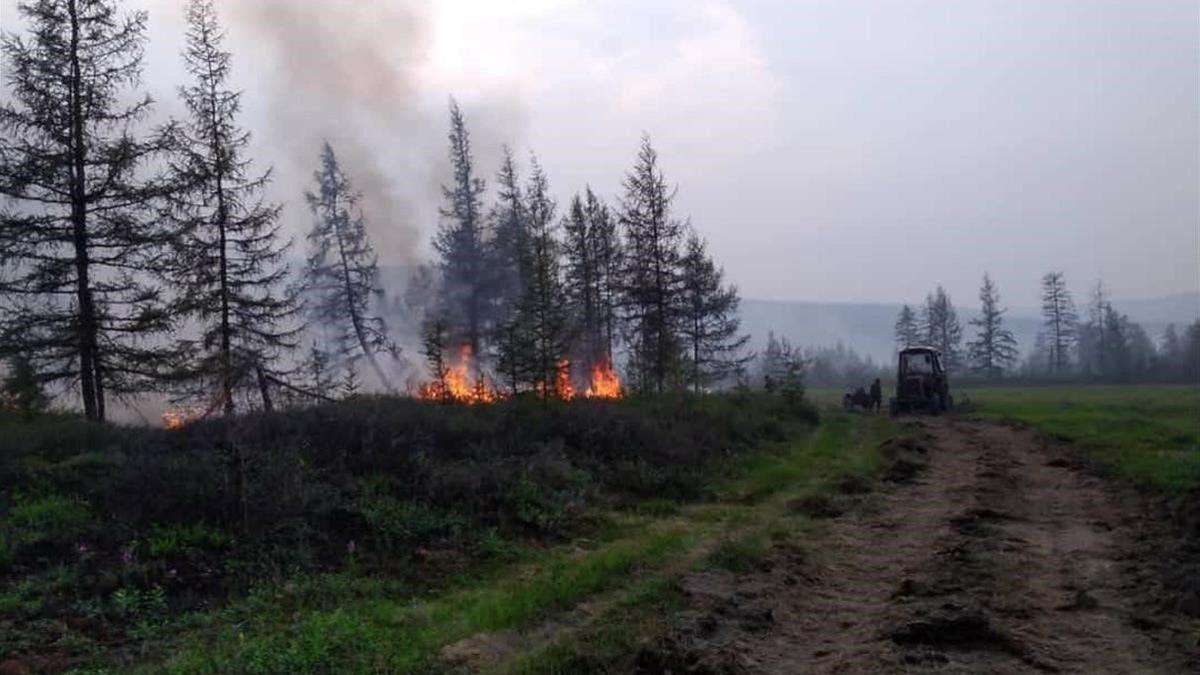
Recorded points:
(141, 257)
(531, 290)
(1102, 345)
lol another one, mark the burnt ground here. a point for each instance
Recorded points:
(988, 549)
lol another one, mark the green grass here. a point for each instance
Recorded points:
(736, 535)
(1147, 434)
(347, 624)
(382, 635)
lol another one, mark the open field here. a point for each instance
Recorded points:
(574, 573)
(1147, 434)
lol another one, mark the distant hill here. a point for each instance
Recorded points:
(867, 328)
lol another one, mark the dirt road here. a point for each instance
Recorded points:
(988, 552)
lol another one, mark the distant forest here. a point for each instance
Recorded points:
(1101, 344)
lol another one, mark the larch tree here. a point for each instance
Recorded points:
(341, 276)
(709, 324)
(539, 343)
(509, 249)
(592, 258)
(651, 274)
(994, 349)
(460, 243)
(231, 271)
(77, 234)
(1090, 336)
(907, 329)
(942, 329)
(607, 254)
(1059, 318)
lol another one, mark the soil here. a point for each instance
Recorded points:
(988, 549)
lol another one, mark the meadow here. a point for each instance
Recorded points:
(1146, 434)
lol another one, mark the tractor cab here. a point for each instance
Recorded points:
(921, 382)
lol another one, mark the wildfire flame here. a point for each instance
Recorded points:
(459, 386)
(562, 381)
(177, 418)
(605, 382)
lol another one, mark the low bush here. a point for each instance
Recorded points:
(186, 540)
(218, 506)
(51, 521)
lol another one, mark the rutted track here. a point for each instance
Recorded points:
(997, 556)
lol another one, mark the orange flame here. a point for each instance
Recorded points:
(562, 381)
(177, 418)
(459, 386)
(605, 381)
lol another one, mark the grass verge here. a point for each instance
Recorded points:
(1149, 435)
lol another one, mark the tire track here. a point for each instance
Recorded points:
(997, 557)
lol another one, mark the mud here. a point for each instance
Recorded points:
(986, 549)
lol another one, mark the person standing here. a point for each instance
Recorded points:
(876, 395)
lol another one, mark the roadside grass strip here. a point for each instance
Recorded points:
(1149, 435)
(755, 515)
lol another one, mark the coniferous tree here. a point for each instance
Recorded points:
(230, 270)
(435, 339)
(342, 272)
(466, 292)
(942, 329)
(1172, 352)
(1090, 337)
(21, 389)
(509, 251)
(1059, 317)
(709, 322)
(581, 287)
(317, 367)
(782, 367)
(592, 260)
(907, 330)
(541, 339)
(608, 257)
(994, 349)
(650, 278)
(77, 238)
(1191, 341)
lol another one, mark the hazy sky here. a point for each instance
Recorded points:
(829, 150)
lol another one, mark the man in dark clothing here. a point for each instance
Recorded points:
(876, 395)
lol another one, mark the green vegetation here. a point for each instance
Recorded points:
(418, 575)
(1147, 434)
(375, 517)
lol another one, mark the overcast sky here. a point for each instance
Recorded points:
(840, 151)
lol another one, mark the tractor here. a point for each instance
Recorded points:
(921, 382)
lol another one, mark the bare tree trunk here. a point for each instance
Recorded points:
(83, 290)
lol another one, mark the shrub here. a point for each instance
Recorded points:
(176, 540)
(53, 519)
(395, 524)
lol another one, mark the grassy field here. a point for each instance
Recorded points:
(624, 579)
(1147, 434)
